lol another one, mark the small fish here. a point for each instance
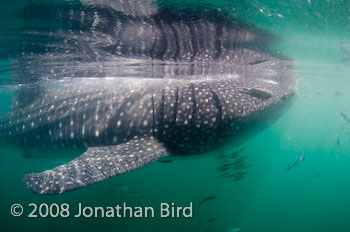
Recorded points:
(297, 162)
(345, 47)
(235, 174)
(345, 115)
(209, 198)
(316, 175)
(236, 229)
(233, 154)
(338, 141)
(125, 188)
(235, 165)
(208, 221)
(337, 93)
(346, 60)
(116, 187)
(225, 174)
(237, 178)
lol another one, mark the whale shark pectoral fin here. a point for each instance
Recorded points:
(96, 164)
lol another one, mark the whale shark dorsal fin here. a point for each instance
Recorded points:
(96, 164)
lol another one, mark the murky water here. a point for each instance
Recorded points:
(311, 196)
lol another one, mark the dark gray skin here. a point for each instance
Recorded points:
(164, 117)
(164, 45)
(214, 85)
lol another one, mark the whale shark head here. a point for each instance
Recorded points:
(201, 115)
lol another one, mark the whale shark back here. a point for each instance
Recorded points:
(103, 40)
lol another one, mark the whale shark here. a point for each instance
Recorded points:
(143, 86)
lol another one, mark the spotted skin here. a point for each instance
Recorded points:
(108, 116)
(96, 164)
(181, 84)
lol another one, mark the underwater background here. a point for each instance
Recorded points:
(312, 196)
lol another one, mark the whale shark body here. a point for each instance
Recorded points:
(163, 86)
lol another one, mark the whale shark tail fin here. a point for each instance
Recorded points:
(96, 164)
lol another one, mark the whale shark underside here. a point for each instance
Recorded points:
(130, 86)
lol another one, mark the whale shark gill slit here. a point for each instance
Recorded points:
(194, 102)
(176, 41)
(218, 45)
(161, 113)
(175, 105)
(218, 114)
(153, 116)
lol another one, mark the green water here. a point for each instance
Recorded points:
(313, 196)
